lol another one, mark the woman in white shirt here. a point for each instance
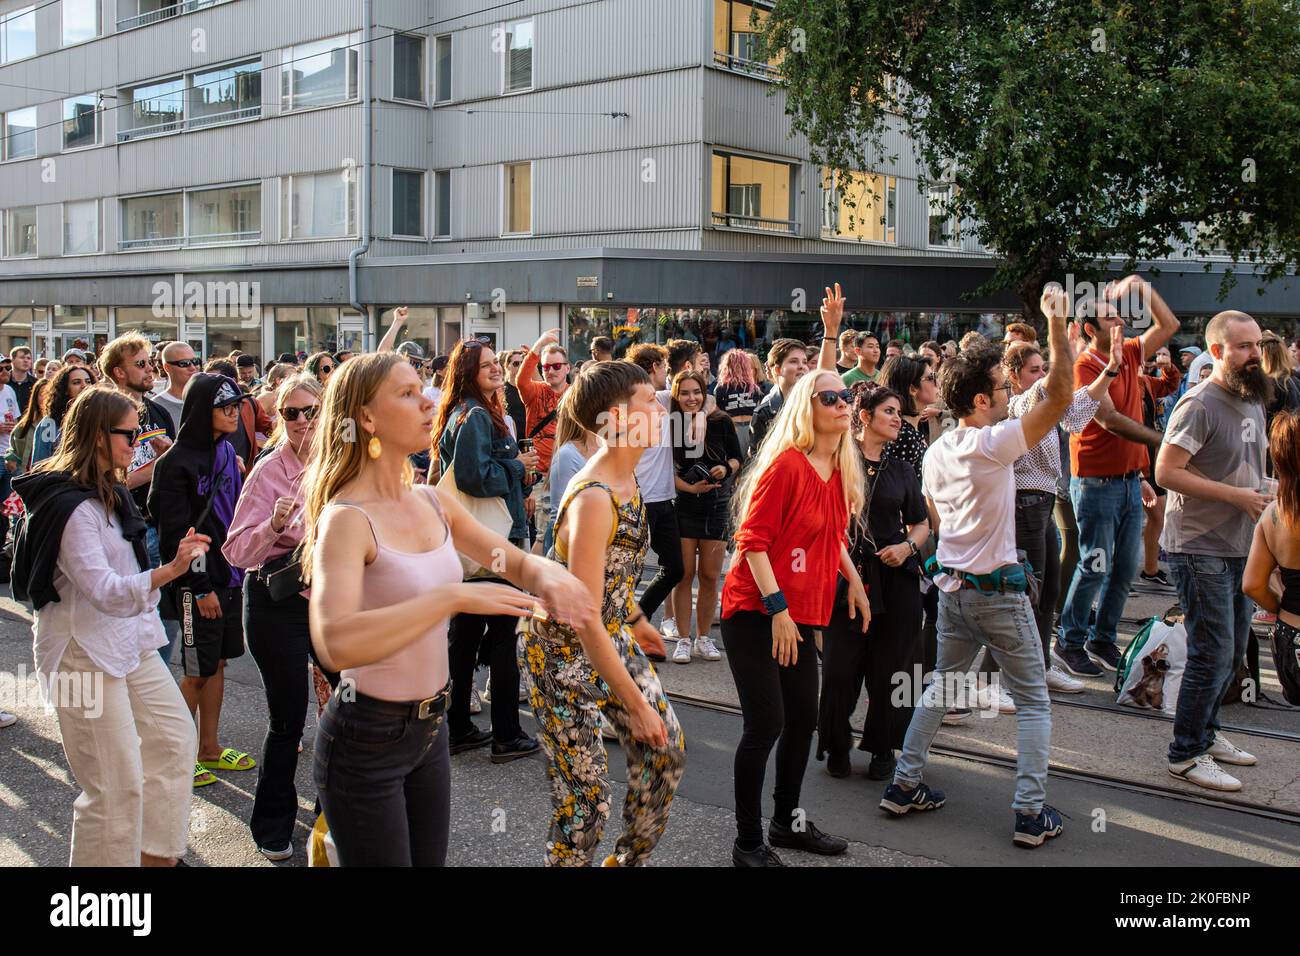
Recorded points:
(126, 730)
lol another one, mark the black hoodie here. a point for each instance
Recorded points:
(49, 499)
(191, 481)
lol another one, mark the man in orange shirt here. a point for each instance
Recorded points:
(541, 398)
(1109, 458)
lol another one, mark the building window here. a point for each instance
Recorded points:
(517, 199)
(151, 221)
(442, 79)
(229, 214)
(156, 108)
(81, 228)
(20, 232)
(737, 37)
(753, 193)
(80, 21)
(943, 226)
(225, 94)
(81, 121)
(408, 203)
(18, 34)
(859, 206)
(408, 67)
(20, 133)
(141, 13)
(319, 206)
(319, 74)
(518, 60)
(314, 330)
(442, 204)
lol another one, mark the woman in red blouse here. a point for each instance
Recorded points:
(794, 503)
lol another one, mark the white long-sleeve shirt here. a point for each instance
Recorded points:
(105, 601)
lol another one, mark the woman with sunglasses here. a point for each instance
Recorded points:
(70, 382)
(793, 505)
(886, 551)
(475, 448)
(96, 602)
(264, 533)
(322, 366)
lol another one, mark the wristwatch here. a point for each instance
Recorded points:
(915, 550)
(1110, 374)
(774, 604)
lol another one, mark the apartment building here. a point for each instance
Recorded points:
(278, 175)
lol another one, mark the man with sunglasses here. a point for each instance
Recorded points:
(180, 364)
(541, 400)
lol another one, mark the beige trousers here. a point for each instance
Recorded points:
(133, 756)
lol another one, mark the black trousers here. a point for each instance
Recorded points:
(1068, 529)
(892, 645)
(779, 707)
(1036, 536)
(280, 641)
(470, 636)
(666, 542)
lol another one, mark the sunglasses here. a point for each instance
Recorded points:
(554, 366)
(132, 435)
(187, 363)
(309, 412)
(141, 364)
(930, 378)
(830, 398)
(326, 369)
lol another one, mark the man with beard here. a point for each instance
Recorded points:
(1212, 462)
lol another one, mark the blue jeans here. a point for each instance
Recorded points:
(1109, 514)
(968, 621)
(171, 628)
(1218, 627)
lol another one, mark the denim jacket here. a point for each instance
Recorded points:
(485, 464)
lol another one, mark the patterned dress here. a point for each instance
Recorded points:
(568, 698)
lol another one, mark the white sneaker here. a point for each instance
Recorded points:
(683, 653)
(486, 694)
(1061, 682)
(277, 855)
(1225, 751)
(7, 719)
(994, 697)
(669, 629)
(1204, 772)
(474, 706)
(705, 648)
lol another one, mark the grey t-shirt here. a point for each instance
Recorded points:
(1227, 442)
(172, 405)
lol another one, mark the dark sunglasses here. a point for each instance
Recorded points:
(132, 435)
(187, 363)
(308, 412)
(326, 369)
(554, 366)
(830, 398)
(141, 364)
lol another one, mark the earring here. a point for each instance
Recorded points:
(374, 449)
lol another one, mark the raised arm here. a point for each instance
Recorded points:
(1043, 417)
(386, 344)
(832, 316)
(1164, 322)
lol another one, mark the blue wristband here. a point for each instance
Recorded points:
(774, 604)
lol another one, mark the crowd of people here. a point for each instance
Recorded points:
(377, 527)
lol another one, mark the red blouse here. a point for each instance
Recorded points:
(802, 523)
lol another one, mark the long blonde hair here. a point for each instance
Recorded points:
(793, 428)
(91, 416)
(303, 381)
(340, 454)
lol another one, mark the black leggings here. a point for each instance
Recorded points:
(779, 705)
(495, 636)
(666, 542)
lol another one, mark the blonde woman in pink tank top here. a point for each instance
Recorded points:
(381, 556)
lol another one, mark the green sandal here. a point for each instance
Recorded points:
(203, 776)
(230, 759)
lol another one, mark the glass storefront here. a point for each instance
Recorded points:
(227, 333)
(434, 328)
(16, 327)
(78, 327)
(313, 330)
(156, 327)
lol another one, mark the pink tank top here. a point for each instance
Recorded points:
(418, 670)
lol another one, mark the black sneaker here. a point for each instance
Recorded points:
(899, 801)
(1034, 831)
(1159, 578)
(1075, 660)
(471, 741)
(809, 839)
(763, 856)
(1107, 655)
(522, 746)
(881, 767)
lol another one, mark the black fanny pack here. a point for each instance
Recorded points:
(282, 577)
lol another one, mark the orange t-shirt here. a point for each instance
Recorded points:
(1095, 452)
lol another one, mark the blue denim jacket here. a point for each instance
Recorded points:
(485, 464)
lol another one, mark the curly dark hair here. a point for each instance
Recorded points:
(968, 375)
(58, 397)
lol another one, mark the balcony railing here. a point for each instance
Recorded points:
(164, 13)
(142, 132)
(742, 65)
(197, 122)
(153, 243)
(220, 238)
(213, 239)
(754, 222)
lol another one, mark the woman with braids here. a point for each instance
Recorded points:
(70, 382)
(380, 555)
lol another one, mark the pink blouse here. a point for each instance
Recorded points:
(251, 541)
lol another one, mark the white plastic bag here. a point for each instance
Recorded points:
(1154, 679)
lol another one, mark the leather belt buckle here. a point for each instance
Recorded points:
(430, 705)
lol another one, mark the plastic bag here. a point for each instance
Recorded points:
(1152, 671)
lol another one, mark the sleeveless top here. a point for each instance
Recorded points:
(1290, 589)
(624, 558)
(419, 670)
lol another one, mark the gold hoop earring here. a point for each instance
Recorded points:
(374, 449)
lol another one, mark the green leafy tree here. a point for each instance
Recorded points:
(1073, 131)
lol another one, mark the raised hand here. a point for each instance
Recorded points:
(1054, 303)
(832, 311)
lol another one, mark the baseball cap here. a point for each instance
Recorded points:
(411, 350)
(1191, 348)
(228, 393)
(246, 361)
(440, 363)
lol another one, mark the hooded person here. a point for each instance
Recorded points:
(196, 484)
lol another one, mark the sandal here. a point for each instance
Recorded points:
(230, 759)
(203, 776)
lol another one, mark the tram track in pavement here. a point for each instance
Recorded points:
(1082, 776)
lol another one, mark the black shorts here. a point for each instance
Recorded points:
(703, 517)
(205, 643)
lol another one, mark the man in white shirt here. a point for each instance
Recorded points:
(970, 487)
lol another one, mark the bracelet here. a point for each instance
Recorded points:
(1110, 374)
(774, 604)
(915, 550)
(829, 338)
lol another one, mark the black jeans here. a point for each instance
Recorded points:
(1036, 536)
(385, 784)
(779, 706)
(1068, 529)
(468, 635)
(280, 641)
(892, 645)
(666, 542)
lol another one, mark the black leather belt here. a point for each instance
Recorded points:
(1136, 473)
(414, 709)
